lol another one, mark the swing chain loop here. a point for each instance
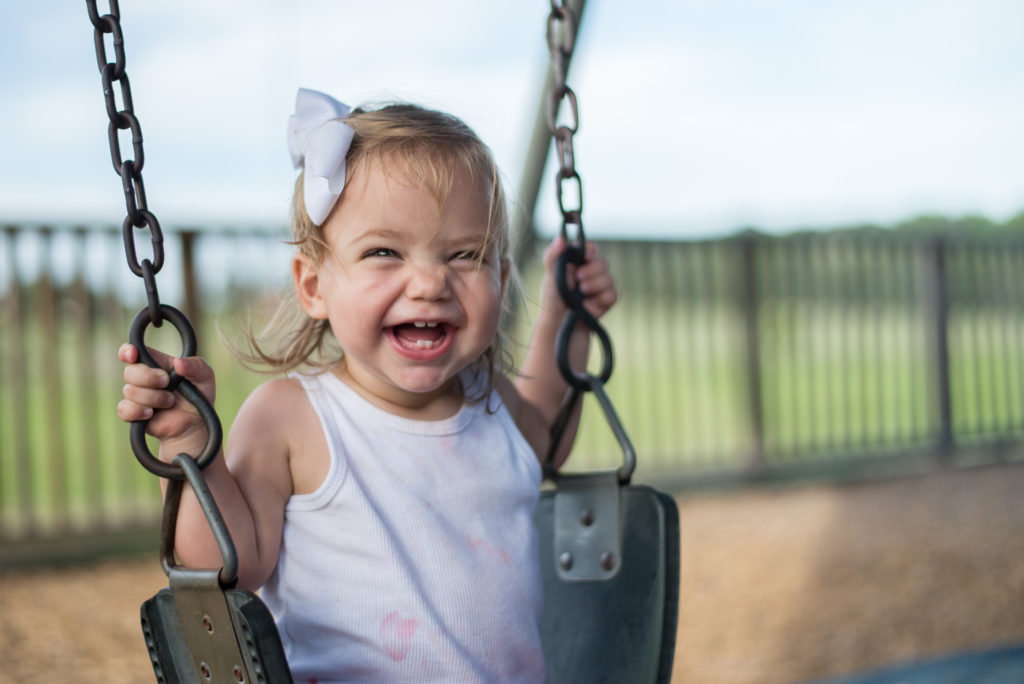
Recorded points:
(566, 155)
(129, 121)
(119, 118)
(152, 296)
(108, 23)
(571, 216)
(138, 216)
(561, 35)
(134, 190)
(146, 218)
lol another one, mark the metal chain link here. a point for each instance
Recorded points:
(561, 36)
(562, 26)
(139, 216)
(123, 118)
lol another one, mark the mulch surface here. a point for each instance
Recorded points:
(777, 586)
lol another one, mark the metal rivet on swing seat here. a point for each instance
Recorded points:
(565, 561)
(608, 561)
(204, 670)
(208, 623)
(239, 677)
(587, 517)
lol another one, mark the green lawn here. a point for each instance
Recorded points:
(831, 381)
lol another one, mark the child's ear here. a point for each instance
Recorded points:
(307, 286)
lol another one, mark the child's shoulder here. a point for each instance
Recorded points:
(280, 406)
(276, 392)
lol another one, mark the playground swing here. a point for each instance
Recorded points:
(609, 549)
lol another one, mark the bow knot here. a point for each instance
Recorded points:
(319, 141)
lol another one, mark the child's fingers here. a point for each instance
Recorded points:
(130, 411)
(595, 266)
(552, 251)
(558, 245)
(597, 284)
(141, 375)
(127, 353)
(194, 368)
(152, 397)
(602, 301)
(595, 276)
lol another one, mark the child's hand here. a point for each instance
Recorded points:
(172, 419)
(594, 277)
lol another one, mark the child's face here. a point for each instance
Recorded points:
(404, 286)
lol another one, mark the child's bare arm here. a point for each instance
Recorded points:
(250, 485)
(540, 383)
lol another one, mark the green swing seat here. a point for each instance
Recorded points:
(609, 553)
(610, 563)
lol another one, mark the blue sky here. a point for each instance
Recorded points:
(697, 116)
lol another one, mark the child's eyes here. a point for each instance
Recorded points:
(474, 255)
(380, 252)
(470, 254)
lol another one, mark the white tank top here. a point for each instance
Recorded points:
(416, 559)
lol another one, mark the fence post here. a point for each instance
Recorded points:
(749, 303)
(50, 372)
(24, 521)
(940, 331)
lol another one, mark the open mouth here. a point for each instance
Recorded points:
(418, 337)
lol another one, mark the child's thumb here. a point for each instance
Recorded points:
(193, 368)
(552, 251)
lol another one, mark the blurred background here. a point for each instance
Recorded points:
(815, 212)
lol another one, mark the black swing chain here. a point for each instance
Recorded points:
(138, 216)
(562, 25)
(561, 36)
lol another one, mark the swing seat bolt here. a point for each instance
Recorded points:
(565, 561)
(208, 624)
(608, 561)
(587, 517)
(204, 670)
(239, 677)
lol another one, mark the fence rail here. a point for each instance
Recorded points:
(748, 356)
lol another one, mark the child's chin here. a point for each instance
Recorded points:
(429, 384)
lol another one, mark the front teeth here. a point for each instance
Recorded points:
(425, 324)
(425, 344)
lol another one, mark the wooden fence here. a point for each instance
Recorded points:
(745, 358)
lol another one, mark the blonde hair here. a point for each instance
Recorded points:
(430, 146)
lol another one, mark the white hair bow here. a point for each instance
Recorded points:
(320, 141)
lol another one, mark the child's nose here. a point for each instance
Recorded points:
(428, 282)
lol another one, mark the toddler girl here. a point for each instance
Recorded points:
(382, 494)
